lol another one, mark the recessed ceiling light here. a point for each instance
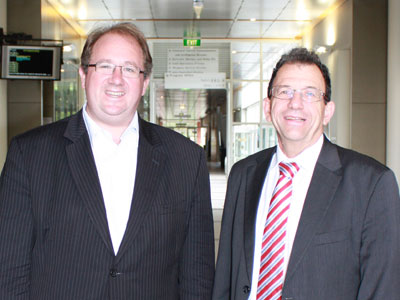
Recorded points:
(67, 48)
(253, 19)
(320, 49)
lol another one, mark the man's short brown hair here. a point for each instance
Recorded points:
(124, 29)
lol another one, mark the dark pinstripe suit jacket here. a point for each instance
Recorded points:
(347, 244)
(54, 237)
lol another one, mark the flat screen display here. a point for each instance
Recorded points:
(31, 62)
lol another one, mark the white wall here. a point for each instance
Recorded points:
(3, 93)
(356, 32)
(335, 31)
(393, 108)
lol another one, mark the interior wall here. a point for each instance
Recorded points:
(393, 89)
(3, 94)
(55, 27)
(30, 102)
(357, 62)
(369, 64)
(24, 96)
(335, 32)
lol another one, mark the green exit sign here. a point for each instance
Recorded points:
(191, 42)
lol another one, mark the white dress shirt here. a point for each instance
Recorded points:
(116, 168)
(306, 160)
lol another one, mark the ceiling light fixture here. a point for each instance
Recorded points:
(198, 7)
(322, 49)
(67, 48)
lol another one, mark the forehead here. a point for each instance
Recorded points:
(117, 47)
(300, 75)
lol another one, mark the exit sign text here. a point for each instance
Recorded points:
(191, 42)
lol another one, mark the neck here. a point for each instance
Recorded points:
(291, 152)
(292, 149)
(115, 126)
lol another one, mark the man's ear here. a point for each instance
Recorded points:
(328, 112)
(82, 75)
(267, 108)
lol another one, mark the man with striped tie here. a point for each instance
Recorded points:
(307, 219)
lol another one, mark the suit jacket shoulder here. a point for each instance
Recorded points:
(350, 219)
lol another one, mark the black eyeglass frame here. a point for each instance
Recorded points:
(115, 66)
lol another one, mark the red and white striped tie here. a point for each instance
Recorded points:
(270, 280)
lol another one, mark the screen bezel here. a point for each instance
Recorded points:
(56, 62)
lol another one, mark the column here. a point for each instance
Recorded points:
(3, 94)
(393, 88)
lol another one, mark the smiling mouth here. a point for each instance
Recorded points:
(290, 118)
(115, 94)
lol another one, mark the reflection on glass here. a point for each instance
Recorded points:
(265, 90)
(246, 60)
(268, 136)
(144, 106)
(249, 139)
(66, 92)
(246, 102)
(245, 141)
(198, 114)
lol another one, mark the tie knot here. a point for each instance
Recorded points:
(288, 169)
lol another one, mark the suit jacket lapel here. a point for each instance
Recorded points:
(324, 183)
(150, 165)
(84, 173)
(255, 178)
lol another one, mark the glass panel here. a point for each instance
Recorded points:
(272, 52)
(198, 114)
(268, 136)
(246, 102)
(245, 141)
(66, 92)
(144, 106)
(246, 60)
(265, 89)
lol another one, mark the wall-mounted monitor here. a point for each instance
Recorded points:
(31, 62)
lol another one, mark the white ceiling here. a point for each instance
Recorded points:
(219, 19)
(277, 22)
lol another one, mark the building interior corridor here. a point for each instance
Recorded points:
(212, 64)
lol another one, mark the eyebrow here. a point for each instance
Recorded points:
(306, 87)
(126, 63)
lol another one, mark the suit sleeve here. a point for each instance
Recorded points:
(16, 227)
(223, 274)
(380, 248)
(198, 259)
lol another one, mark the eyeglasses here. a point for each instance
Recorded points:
(308, 94)
(108, 69)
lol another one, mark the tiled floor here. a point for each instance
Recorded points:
(218, 181)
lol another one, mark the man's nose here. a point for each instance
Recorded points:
(117, 75)
(297, 100)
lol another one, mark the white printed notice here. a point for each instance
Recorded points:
(192, 61)
(195, 80)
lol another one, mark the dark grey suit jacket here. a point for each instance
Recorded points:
(55, 242)
(347, 244)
